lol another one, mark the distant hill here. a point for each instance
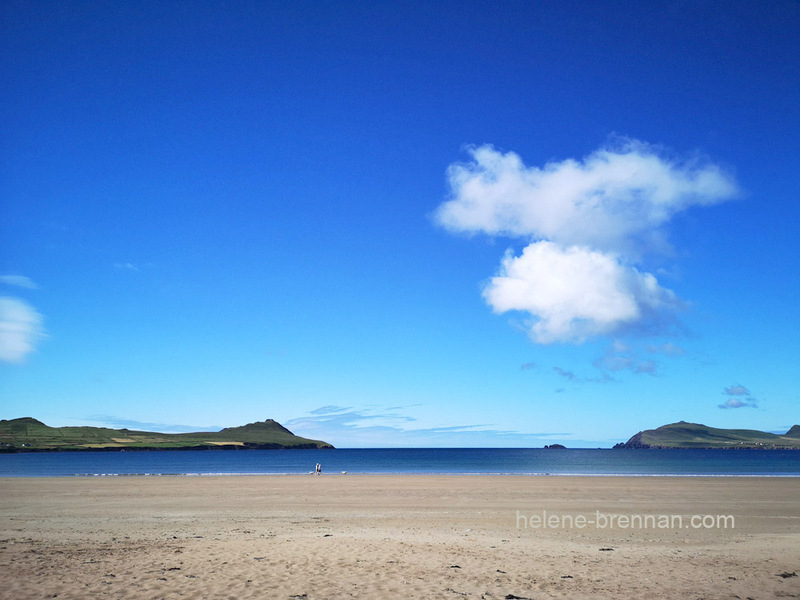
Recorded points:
(30, 435)
(694, 435)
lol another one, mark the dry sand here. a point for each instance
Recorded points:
(344, 536)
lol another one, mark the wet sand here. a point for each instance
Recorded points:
(374, 536)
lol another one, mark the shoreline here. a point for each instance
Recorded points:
(412, 474)
(418, 462)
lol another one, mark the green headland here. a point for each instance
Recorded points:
(30, 435)
(694, 435)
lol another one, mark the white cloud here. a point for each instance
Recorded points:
(574, 293)
(589, 223)
(20, 329)
(605, 202)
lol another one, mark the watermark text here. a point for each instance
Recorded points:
(601, 520)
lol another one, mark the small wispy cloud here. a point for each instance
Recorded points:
(569, 375)
(668, 349)
(21, 328)
(738, 403)
(373, 426)
(736, 390)
(588, 224)
(21, 325)
(403, 407)
(349, 418)
(19, 281)
(126, 266)
(620, 356)
(330, 409)
(740, 397)
(572, 377)
(528, 366)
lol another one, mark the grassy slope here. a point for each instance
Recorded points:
(29, 434)
(693, 435)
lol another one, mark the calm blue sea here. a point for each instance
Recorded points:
(457, 461)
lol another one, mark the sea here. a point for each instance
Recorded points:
(398, 461)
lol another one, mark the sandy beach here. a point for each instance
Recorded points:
(345, 536)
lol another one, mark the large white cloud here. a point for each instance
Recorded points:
(20, 329)
(608, 200)
(575, 292)
(589, 223)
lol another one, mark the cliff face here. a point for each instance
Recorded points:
(634, 443)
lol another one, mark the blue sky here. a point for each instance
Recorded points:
(401, 224)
